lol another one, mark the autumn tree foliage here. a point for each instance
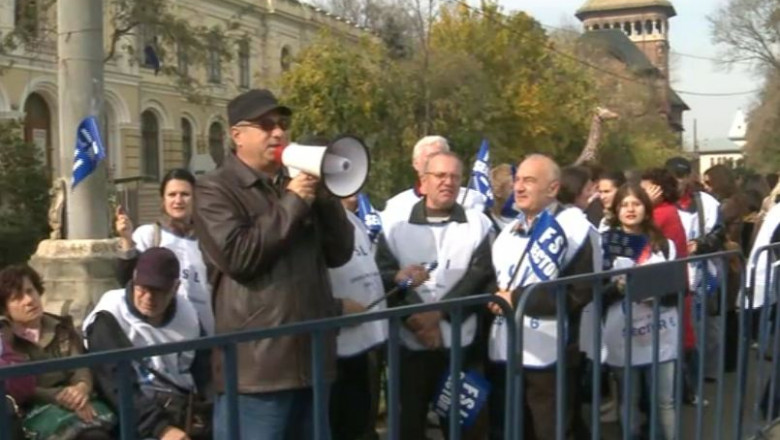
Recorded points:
(474, 73)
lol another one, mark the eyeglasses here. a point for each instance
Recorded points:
(442, 176)
(268, 123)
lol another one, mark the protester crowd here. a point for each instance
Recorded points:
(247, 247)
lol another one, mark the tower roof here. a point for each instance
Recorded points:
(594, 6)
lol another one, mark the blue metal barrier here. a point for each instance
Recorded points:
(228, 342)
(646, 282)
(759, 425)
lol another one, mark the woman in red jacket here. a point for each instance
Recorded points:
(661, 186)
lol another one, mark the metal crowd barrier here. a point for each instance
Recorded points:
(642, 283)
(764, 407)
(645, 282)
(317, 328)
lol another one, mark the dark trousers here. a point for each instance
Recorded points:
(539, 404)
(350, 398)
(421, 374)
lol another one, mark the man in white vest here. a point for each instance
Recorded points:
(145, 313)
(706, 233)
(545, 242)
(437, 229)
(399, 206)
(356, 284)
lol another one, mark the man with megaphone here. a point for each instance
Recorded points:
(269, 240)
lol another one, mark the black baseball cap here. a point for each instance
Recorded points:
(679, 166)
(157, 268)
(253, 104)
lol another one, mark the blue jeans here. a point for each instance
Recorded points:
(641, 376)
(281, 415)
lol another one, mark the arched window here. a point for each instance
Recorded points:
(286, 59)
(627, 28)
(595, 27)
(648, 27)
(217, 143)
(638, 27)
(26, 16)
(37, 128)
(150, 145)
(186, 141)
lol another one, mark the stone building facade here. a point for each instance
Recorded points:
(148, 125)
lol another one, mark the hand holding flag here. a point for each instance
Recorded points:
(89, 150)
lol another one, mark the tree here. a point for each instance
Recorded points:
(24, 197)
(763, 135)
(338, 87)
(494, 76)
(749, 31)
(389, 19)
(135, 29)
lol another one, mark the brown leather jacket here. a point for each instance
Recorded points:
(272, 252)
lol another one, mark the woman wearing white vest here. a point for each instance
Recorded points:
(149, 312)
(547, 241)
(437, 230)
(632, 219)
(356, 284)
(173, 231)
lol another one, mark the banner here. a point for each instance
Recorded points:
(473, 396)
(89, 150)
(480, 174)
(368, 215)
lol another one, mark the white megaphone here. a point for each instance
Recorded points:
(342, 166)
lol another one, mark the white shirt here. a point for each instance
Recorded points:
(194, 278)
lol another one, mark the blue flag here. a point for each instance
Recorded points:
(89, 150)
(473, 396)
(151, 59)
(616, 243)
(369, 216)
(480, 174)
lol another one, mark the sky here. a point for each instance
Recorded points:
(690, 35)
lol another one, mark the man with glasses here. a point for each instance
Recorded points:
(399, 206)
(440, 230)
(268, 242)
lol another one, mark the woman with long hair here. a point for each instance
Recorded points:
(607, 186)
(632, 221)
(175, 231)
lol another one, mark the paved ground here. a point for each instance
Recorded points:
(715, 426)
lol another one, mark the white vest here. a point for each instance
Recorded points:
(452, 245)
(690, 221)
(398, 207)
(642, 325)
(194, 278)
(540, 336)
(184, 326)
(761, 283)
(359, 280)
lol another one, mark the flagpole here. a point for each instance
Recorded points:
(468, 188)
(80, 91)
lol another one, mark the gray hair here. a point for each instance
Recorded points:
(429, 140)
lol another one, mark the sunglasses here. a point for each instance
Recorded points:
(269, 123)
